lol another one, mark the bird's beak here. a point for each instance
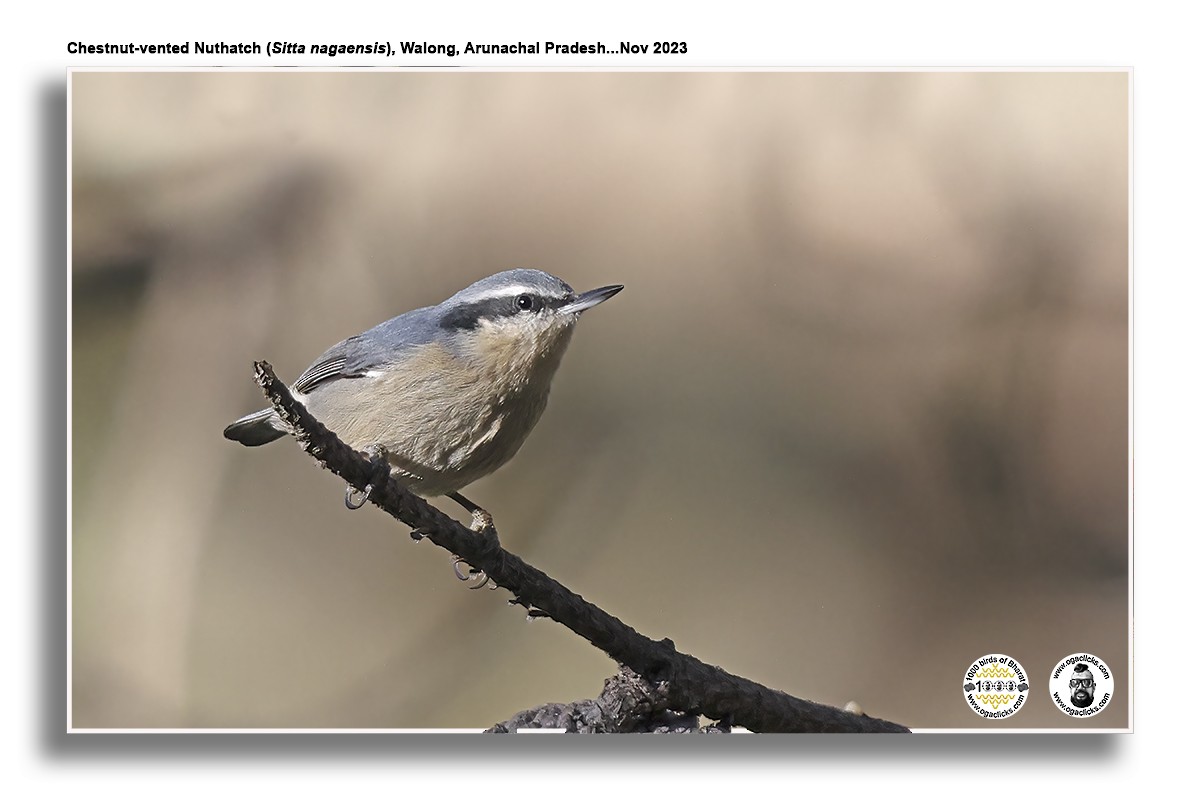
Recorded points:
(588, 299)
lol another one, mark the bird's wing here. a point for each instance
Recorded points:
(325, 368)
(372, 350)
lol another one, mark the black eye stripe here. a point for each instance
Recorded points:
(468, 315)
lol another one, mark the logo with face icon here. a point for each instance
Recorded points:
(1081, 685)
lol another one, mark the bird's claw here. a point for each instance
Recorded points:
(455, 561)
(356, 499)
(478, 577)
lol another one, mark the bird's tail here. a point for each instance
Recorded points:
(254, 429)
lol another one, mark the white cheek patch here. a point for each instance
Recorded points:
(524, 331)
(508, 327)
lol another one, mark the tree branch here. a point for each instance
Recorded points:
(628, 704)
(687, 684)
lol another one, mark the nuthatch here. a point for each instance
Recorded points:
(450, 391)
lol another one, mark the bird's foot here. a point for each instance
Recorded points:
(356, 499)
(481, 523)
(477, 577)
(380, 470)
(481, 519)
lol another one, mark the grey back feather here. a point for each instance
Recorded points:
(372, 349)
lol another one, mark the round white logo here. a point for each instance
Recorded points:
(1081, 685)
(995, 686)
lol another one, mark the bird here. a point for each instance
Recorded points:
(450, 391)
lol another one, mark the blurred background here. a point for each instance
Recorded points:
(859, 417)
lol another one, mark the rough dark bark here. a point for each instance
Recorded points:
(687, 684)
(628, 704)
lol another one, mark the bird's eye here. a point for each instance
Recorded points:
(525, 302)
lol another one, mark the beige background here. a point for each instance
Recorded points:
(859, 417)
